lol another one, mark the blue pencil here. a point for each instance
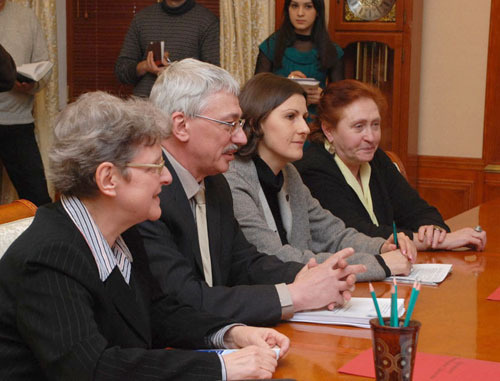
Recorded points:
(395, 234)
(372, 291)
(413, 299)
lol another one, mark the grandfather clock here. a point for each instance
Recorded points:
(381, 41)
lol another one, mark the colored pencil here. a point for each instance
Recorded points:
(413, 299)
(372, 291)
(395, 234)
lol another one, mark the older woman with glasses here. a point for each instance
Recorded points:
(77, 297)
(274, 208)
(353, 178)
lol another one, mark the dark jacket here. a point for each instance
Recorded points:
(58, 320)
(243, 279)
(393, 198)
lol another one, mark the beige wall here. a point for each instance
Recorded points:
(453, 77)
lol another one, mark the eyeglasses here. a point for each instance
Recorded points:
(158, 167)
(233, 126)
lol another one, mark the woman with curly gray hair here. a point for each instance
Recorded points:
(77, 298)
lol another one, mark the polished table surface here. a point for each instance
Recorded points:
(456, 318)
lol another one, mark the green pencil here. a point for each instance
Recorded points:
(413, 299)
(372, 291)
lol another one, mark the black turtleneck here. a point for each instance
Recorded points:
(271, 185)
(303, 37)
(181, 9)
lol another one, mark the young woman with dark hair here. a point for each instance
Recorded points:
(301, 47)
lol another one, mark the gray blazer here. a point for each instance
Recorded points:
(312, 232)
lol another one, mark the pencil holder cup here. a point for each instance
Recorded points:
(394, 349)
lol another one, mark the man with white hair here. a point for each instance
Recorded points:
(196, 249)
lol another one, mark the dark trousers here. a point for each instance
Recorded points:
(21, 157)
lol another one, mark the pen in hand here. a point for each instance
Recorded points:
(395, 234)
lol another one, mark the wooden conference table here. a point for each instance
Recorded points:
(456, 318)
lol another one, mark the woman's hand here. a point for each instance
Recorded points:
(397, 262)
(313, 95)
(466, 237)
(429, 237)
(297, 74)
(406, 246)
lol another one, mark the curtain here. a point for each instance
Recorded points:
(244, 25)
(46, 100)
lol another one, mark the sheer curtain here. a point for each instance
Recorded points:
(47, 100)
(244, 25)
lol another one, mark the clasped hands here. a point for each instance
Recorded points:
(327, 284)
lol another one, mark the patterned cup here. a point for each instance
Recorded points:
(394, 349)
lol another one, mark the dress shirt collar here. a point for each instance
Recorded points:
(106, 258)
(188, 182)
(363, 192)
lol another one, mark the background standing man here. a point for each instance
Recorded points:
(188, 30)
(23, 38)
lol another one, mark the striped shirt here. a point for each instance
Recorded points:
(106, 257)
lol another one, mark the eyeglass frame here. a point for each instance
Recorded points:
(234, 125)
(158, 167)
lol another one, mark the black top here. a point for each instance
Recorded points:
(271, 185)
(393, 197)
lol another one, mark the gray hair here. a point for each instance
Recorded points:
(186, 86)
(97, 128)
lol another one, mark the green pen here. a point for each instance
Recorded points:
(395, 234)
(413, 299)
(379, 314)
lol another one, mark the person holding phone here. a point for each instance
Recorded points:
(186, 29)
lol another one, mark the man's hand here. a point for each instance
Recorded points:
(149, 65)
(243, 336)
(327, 284)
(406, 246)
(250, 363)
(256, 359)
(397, 262)
(24, 87)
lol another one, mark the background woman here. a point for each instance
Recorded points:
(274, 208)
(77, 298)
(302, 47)
(354, 179)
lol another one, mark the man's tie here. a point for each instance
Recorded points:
(201, 224)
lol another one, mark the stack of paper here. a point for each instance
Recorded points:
(425, 273)
(356, 312)
(307, 83)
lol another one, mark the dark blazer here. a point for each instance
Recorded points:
(393, 198)
(7, 70)
(243, 279)
(58, 320)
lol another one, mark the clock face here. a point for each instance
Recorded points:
(370, 9)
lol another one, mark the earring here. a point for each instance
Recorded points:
(329, 147)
